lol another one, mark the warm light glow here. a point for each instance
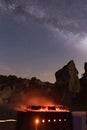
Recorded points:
(8, 120)
(65, 120)
(49, 120)
(43, 121)
(54, 120)
(60, 120)
(37, 121)
(59, 108)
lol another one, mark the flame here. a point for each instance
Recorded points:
(34, 101)
(23, 100)
(31, 98)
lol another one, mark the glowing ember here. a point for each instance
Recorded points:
(25, 108)
(36, 101)
(59, 108)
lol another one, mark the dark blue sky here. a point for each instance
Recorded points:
(38, 37)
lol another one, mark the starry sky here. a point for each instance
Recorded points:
(38, 37)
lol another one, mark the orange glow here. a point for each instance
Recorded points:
(43, 121)
(37, 121)
(41, 109)
(46, 109)
(35, 98)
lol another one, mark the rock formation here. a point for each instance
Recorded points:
(68, 89)
(83, 82)
(67, 84)
(67, 77)
(84, 77)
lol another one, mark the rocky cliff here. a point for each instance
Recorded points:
(68, 89)
(83, 83)
(67, 77)
(67, 83)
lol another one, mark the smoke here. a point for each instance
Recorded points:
(22, 100)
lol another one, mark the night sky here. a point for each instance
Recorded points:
(38, 37)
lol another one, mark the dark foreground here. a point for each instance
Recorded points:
(40, 121)
(8, 126)
(79, 122)
(44, 121)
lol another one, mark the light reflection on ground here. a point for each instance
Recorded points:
(8, 120)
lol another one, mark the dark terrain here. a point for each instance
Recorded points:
(68, 89)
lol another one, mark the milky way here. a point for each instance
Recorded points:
(64, 14)
(57, 30)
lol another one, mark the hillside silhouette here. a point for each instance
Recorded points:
(68, 89)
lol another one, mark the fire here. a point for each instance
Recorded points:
(58, 108)
(21, 101)
(39, 104)
(32, 100)
(25, 100)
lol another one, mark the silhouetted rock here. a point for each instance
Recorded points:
(85, 67)
(68, 90)
(67, 84)
(67, 78)
(12, 89)
(83, 82)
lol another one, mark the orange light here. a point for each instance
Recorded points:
(37, 121)
(43, 121)
(54, 120)
(49, 120)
